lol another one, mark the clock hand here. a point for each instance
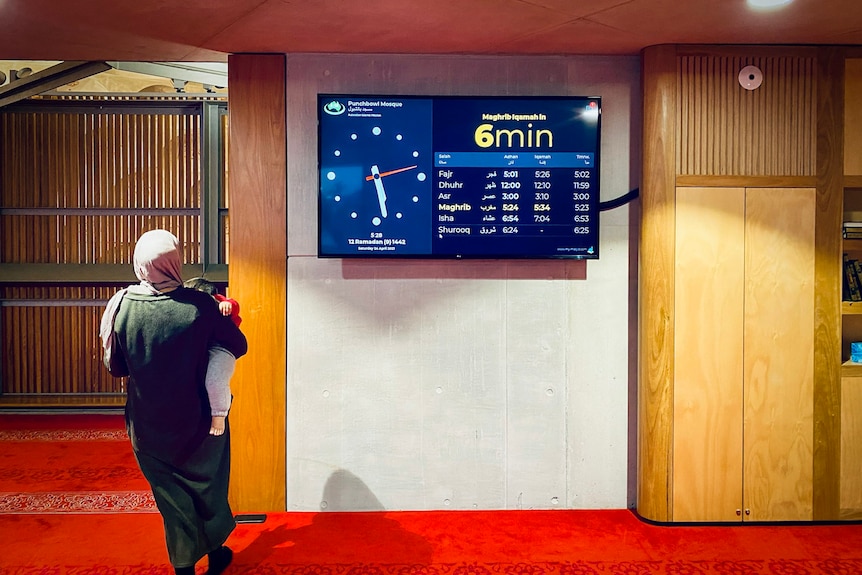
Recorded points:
(389, 173)
(381, 193)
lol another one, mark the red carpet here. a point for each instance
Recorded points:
(69, 463)
(612, 542)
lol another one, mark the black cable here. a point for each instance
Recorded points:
(617, 202)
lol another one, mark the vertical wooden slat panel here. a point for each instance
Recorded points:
(137, 144)
(55, 350)
(763, 141)
(172, 155)
(9, 365)
(18, 351)
(42, 378)
(12, 350)
(84, 160)
(27, 352)
(183, 181)
(70, 326)
(56, 353)
(258, 274)
(25, 384)
(225, 199)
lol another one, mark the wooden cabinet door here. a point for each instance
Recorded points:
(708, 354)
(851, 448)
(743, 355)
(779, 354)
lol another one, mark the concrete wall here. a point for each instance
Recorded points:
(418, 385)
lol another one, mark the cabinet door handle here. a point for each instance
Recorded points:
(748, 511)
(739, 512)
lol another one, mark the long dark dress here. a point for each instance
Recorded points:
(162, 343)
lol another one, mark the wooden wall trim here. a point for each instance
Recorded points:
(258, 277)
(762, 50)
(656, 251)
(827, 298)
(93, 273)
(746, 181)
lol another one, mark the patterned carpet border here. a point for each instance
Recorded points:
(77, 502)
(64, 435)
(669, 567)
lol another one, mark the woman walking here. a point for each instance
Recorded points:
(158, 332)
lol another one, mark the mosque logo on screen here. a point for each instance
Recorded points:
(334, 108)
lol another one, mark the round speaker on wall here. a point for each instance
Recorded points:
(750, 77)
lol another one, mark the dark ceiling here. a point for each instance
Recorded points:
(208, 30)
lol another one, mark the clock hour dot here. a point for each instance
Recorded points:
(376, 130)
(415, 199)
(399, 137)
(353, 215)
(336, 153)
(415, 154)
(337, 198)
(421, 176)
(399, 215)
(330, 176)
(376, 221)
(353, 136)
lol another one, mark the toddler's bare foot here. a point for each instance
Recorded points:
(217, 426)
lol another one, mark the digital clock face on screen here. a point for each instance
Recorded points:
(458, 177)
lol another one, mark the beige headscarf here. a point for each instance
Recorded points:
(158, 264)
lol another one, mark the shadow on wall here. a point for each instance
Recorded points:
(346, 492)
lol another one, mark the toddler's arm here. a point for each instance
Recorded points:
(219, 371)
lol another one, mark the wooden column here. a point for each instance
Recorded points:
(656, 291)
(828, 267)
(257, 185)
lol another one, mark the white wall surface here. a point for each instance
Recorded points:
(422, 385)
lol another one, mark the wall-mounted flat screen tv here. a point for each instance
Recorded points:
(458, 177)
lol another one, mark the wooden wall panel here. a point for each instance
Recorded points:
(725, 129)
(89, 239)
(79, 182)
(779, 354)
(851, 448)
(656, 272)
(827, 271)
(853, 117)
(50, 341)
(71, 180)
(99, 160)
(258, 279)
(791, 132)
(707, 400)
